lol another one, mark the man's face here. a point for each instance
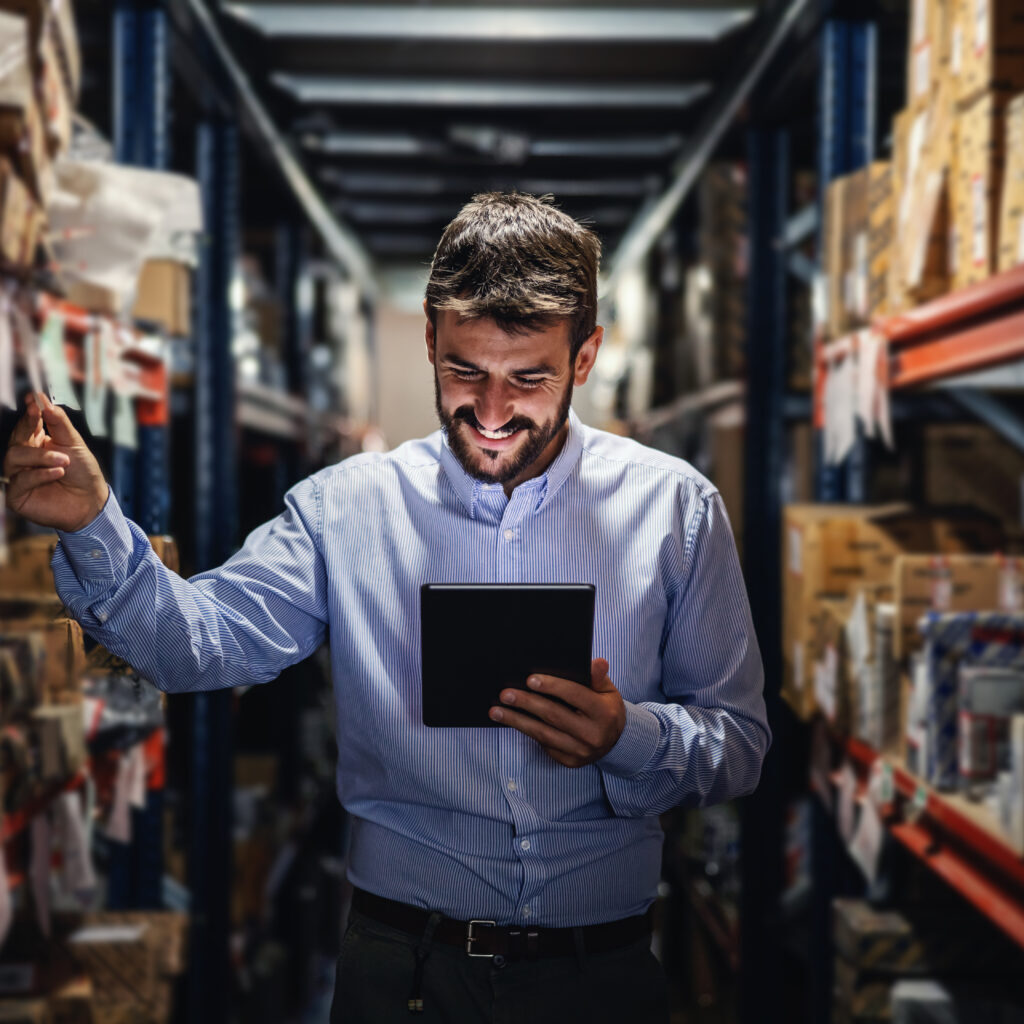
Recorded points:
(503, 399)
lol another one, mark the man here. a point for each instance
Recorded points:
(500, 874)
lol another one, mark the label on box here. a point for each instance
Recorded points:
(1020, 241)
(941, 586)
(919, 18)
(860, 264)
(956, 48)
(922, 69)
(981, 16)
(1009, 587)
(796, 541)
(979, 221)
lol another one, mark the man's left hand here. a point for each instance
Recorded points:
(575, 735)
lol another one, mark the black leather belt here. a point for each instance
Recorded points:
(486, 939)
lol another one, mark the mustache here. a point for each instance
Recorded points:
(467, 415)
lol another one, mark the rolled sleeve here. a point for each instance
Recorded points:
(637, 745)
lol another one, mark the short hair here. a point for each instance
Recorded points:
(520, 261)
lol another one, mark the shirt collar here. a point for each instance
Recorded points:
(468, 488)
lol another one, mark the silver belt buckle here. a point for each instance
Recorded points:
(471, 938)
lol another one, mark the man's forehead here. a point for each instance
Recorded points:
(458, 328)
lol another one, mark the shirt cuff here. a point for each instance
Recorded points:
(637, 744)
(99, 549)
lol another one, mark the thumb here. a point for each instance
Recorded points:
(599, 680)
(57, 423)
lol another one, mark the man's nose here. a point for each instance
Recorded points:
(494, 407)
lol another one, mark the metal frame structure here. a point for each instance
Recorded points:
(760, 952)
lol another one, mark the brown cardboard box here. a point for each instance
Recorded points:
(55, 18)
(970, 461)
(954, 583)
(164, 296)
(896, 290)
(863, 993)
(72, 1003)
(924, 203)
(20, 227)
(830, 550)
(25, 1011)
(727, 433)
(988, 40)
(60, 739)
(881, 214)
(23, 140)
(1011, 216)
(977, 190)
(64, 649)
(928, 53)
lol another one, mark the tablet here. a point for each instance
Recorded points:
(479, 638)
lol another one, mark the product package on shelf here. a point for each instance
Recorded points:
(955, 640)
(1011, 216)
(929, 49)
(988, 40)
(951, 583)
(21, 221)
(829, 551)
(978, 185)
(989, 698)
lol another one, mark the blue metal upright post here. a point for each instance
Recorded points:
(141, 479)
(209, 855)
(847, 104)
(761, 814)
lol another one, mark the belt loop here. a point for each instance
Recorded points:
(415, 1002)
(581, 952)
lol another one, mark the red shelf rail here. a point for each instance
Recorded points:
(988, 873)
(970, 329)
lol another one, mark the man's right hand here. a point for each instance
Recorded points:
(54, 479)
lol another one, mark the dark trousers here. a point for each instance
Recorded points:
(377, 968)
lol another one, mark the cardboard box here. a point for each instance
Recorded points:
(951, 583)
(863, 993)
(970, 461)
(978, 187)
(831, 550)
(25, 1011)
(926, 153)
(63, 645)
(988, 40)
(1011, 216)
(164, 296)
(928, 53)
(20, 225)
(23, 141)
(727, 433)
(55, 98)
(54, 18)
(60, 737)
(881, 222)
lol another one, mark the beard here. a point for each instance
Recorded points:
(538, 437)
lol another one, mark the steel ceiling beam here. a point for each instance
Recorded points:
(340, 241)
(438, 92)
(395, 144)
(553, 25)
(652, 221)
(411, 184)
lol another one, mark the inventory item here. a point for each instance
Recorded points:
(1011, 217)
(989, 697)
(990, 47)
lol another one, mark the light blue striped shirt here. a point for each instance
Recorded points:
(476, 823)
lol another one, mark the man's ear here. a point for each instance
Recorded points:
(429, 334)
(587, 356)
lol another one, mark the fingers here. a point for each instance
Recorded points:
(28, 480)
(57, 422)
(552, 739)
(599, 676)
(21, 457)
(30, 423)
(557, 715)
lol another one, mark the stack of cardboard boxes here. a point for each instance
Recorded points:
(40, 76)
(947, 211)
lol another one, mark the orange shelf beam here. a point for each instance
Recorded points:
(970, 329)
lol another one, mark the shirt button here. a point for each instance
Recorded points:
(102, 616)
(512, 785)
(510, 534)
(525, 844)
(95, 553)
(526, 911)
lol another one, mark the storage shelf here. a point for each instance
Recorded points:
(715, 918)
(954, 840)
(724, 392)
(16, 822)
(970, 329)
